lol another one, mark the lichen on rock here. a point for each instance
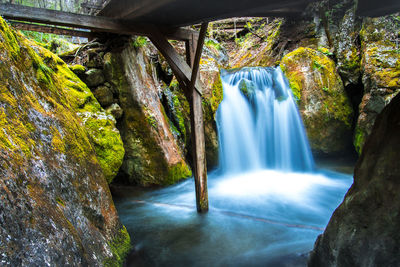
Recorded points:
(322, 100)
(153, 156)
(381, 71)
(100, 125)
(60, 210)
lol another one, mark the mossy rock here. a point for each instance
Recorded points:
(323, 103)
(120, 247)
(77, 69)
(61, 211)
(381, 72)
(152, 155)
(100, 125)
(247, 88)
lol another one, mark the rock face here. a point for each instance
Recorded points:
(55, 208)
(214, 57)
(364, 230)
(381, 71)
(152, 156)
(325, 109)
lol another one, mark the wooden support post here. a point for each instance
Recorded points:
(186, 74)
(196, 118)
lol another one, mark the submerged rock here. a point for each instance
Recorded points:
(55, 208)
(364, 229)
(326, 111)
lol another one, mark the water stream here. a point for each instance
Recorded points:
(268, 201)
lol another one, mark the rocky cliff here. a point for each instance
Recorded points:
(364, 229)
(57, 147)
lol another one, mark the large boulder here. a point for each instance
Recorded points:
(381, 71)
(364, 229)
(100, 124)
(55, 208)
(326, 111)
(153, 156)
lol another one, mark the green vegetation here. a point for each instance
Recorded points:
(177, 172)
(140, 41)
(213, 44)
(120, 247)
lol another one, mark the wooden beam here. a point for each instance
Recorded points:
(134, 9)
(180, 68)
(94, 23)
(91, 6)
(196, 119)
(49, 29)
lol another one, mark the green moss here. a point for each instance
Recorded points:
(10, 42)
(120, 247)
(179, 115)
(325, 51)
(15, 135)
(140, 41)
(295, 79)
(177, 172)
(247, 88)
(217, 94)
(54, 75)
(57, 141)
(77, 69)
(107, 143)
(312, 73)
(359, 140)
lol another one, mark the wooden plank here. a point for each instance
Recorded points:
(178, 65)
(94, 23)
(123, 8)
(196, 119)
(49, 29)
(54, 17)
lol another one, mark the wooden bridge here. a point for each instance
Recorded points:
(161, 20)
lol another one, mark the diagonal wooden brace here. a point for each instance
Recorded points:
(187, 78)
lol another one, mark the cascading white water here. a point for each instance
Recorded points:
(259, 125)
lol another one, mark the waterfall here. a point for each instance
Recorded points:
(259, 125)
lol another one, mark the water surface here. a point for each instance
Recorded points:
(263, 218)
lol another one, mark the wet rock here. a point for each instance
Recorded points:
(104, 95)
(324, 106)
(247, 88)
(55, 208)
(363, 230)
(115, 110)
(94, 77)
